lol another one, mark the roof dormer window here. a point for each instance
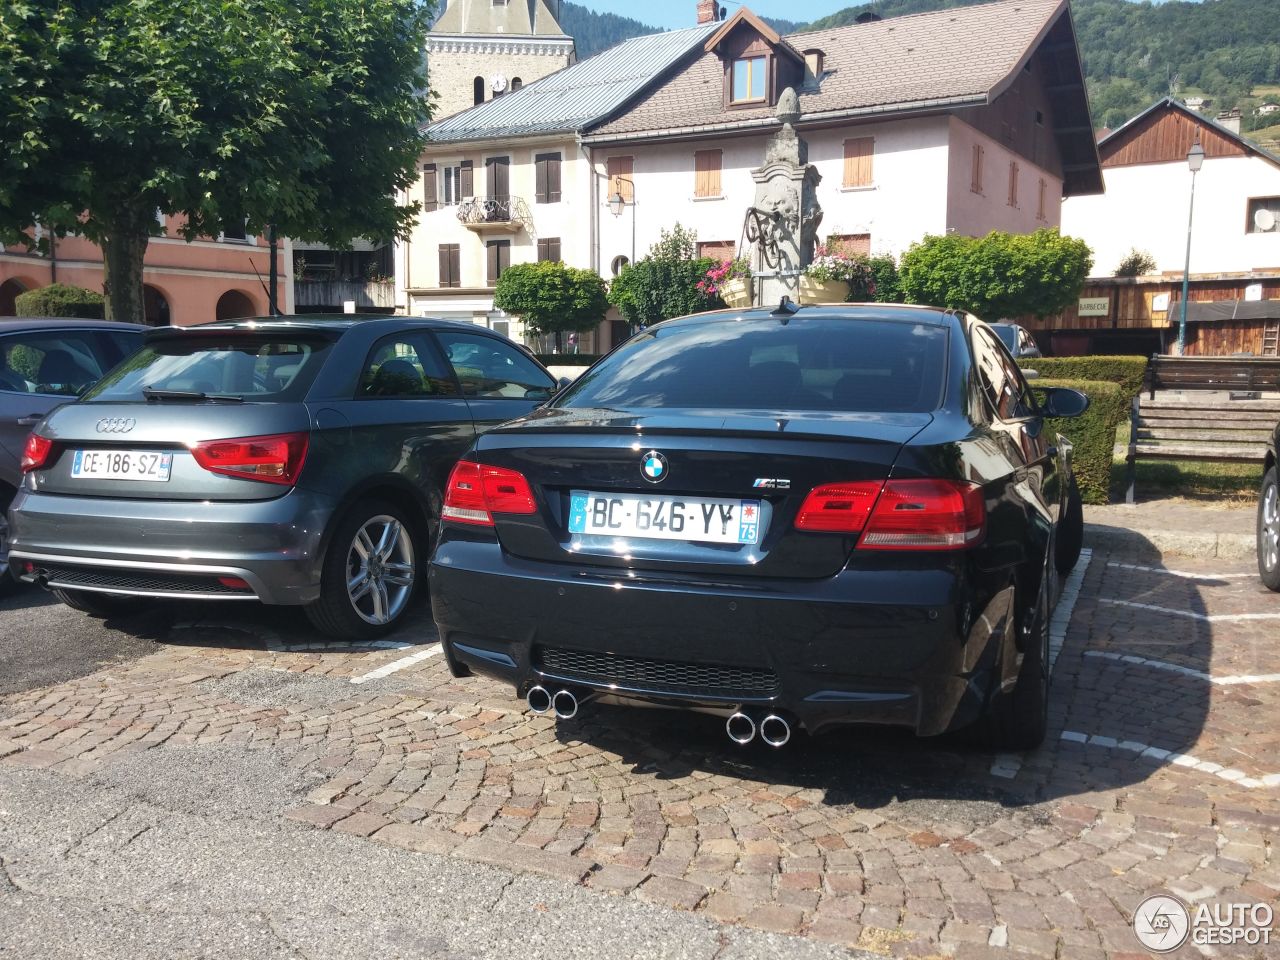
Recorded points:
(749, 76)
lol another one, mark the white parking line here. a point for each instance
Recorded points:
(1205, 617)
(1161, 756)
(1007, 765)
(1185, 671)
(393, 666)
(1185, 574)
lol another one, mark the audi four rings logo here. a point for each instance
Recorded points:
(116, 424)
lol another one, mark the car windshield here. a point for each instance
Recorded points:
(244, 368)
(1008, 335)
(811, 363)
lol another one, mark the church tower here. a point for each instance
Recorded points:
(481, 49)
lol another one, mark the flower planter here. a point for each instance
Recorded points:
(820, 291)
(736, 292)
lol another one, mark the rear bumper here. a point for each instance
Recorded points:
(902, 647)
(176, 549)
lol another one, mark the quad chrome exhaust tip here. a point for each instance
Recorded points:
(741, 728)
(775, 730)
(539, 699)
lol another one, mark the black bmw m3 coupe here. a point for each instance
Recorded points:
(792, 519)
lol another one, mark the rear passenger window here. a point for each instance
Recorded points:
(404, 366)
(489, 368)
(64, 364)
(1002, 382)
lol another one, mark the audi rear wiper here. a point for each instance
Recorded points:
(154, 395)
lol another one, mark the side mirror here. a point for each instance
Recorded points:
(563, 382)
(1063, 402)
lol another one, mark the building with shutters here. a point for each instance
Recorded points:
(964, 120)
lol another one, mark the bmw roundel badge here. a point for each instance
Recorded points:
(653, 467)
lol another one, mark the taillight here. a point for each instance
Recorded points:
(36, 452)
(476, 491)
(838, 507)
(273, 459)
(926, 515)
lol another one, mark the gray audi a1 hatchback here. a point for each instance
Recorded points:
(290, 461)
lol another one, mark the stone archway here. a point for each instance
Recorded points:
(234, 305)
(9, 291)
(155, 306)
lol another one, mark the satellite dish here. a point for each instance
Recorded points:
(1264, 220)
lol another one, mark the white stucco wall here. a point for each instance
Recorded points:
(1145, 207)
(976, 214)
(907, 199)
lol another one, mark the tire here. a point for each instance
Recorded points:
(1070, 534)
(360, 600)
(1018, 720)
(1268, 530)
(7, 581)
(100, 605)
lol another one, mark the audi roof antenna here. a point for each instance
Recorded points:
(785, 310)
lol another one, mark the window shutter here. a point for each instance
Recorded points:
(858, 153)
(504, 255)
(468, 188)
(620, 167)
(540, 179)
(429, 195)
(445, 266)
(1013, 184)
(1040, 201)
(553, 179)
(706, 165)
(491, 251)
(549, 249)
(975, 183)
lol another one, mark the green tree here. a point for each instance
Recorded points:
(552, 298)
(664, 284)
(304, 114)
(999, 275)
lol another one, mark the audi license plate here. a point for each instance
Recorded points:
(664, 518)
(121, 465)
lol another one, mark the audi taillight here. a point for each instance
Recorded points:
(36, 452)
(273, 459)
(926, 515)
(476, 491)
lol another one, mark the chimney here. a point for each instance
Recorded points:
(708, 11)
(1230, 119)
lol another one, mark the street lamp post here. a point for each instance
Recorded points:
(617, 204)
(1195, 160)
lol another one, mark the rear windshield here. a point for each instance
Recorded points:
(251, 368)
(811, 363)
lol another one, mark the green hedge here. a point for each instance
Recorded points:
(60, 300)
(1126, 371)
(1093, 434)
(568, 359)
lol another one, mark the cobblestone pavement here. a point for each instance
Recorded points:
(1161, 773)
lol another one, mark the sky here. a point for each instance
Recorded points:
(670, 14)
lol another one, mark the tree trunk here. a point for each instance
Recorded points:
(122, 251)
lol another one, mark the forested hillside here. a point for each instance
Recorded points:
(1134, 53)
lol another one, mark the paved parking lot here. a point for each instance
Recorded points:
(287, 769)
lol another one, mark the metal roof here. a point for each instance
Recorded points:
(577, 96)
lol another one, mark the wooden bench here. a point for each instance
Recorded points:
(1203, 408)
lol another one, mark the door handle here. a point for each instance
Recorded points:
(30, 420)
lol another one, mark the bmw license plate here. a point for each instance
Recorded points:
(121, 465)
(695, 519)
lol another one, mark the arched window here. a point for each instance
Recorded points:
(516, 83)
(477, 88)
(618, 263)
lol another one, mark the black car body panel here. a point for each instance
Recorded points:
(811, 624)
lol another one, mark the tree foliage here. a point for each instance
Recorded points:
(552, 298)
(664, 284)
(1135, 263)
(60, 300)
(996, 276)
(239, 113)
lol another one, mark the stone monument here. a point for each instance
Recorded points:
(782, 224)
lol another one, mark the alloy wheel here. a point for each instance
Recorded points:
(380, 569)
(1269, 532)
